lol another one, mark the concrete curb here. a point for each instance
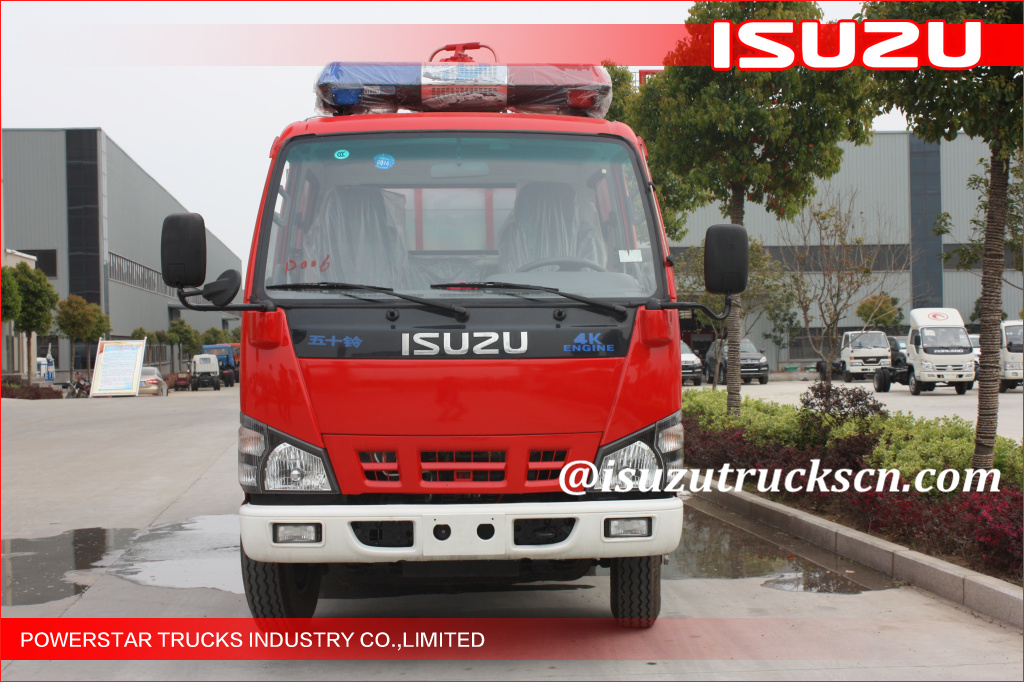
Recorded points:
(993, 597)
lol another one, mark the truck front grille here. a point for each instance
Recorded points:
(462, 466)
(380, 466)
(545, 465)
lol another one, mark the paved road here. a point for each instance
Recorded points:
(125, 508)
(942, 402)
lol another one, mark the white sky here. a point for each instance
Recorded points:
(204, 132)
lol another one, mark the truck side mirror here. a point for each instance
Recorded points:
(221, 291)
(726, 259)
(183, 250)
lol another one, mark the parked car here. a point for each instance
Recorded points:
(897, 351)
(753, 363)
(692, 367)
(152, 382)
(205, 372)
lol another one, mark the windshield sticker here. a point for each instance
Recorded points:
(323, 266)
(929, 332)
(383, 161)
(341, 154)
(631, 256)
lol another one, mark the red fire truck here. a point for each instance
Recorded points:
(459, 286)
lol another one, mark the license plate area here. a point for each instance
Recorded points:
(463, 534)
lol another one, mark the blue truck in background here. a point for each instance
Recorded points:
(227, 358)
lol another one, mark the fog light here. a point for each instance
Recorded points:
(627, 528)
(297, 532)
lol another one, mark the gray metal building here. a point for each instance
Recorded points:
(92, 217)
(901, 184)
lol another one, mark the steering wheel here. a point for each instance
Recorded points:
(569, 264)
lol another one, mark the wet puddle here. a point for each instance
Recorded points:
(713, 548)
(43, 570)
(202, 552)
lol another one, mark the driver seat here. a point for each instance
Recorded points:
(545, 223)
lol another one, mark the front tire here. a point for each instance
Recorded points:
(747, 380)
(697, 381)
(762, 380)
(961, 388)
(275, 590)
(1004, 386)
(636, 591)
(914, 384)
(881, 381)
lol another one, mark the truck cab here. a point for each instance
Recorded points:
(446, 311)
(862, 353)
(204, 372)
(226, 360)
(1011, 355)
(939, 352)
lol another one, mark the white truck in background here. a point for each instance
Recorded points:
(1011, 355)
(862, 353)
(938, 352)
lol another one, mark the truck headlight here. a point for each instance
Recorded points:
(656, 448)
(884, 362)
(271, 461)
(855, 363)
(927, 366)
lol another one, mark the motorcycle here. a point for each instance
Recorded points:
(80, 387)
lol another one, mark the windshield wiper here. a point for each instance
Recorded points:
(618, 311)
(461, 314)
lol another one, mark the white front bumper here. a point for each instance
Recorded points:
(340, 545)
(947, 376)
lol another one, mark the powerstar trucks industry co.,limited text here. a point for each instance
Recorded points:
(459, 284)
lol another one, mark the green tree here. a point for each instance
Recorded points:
(236, 335)
(734, 136)
(785, 321)
(38, 299)
(968, 255)
(829, 268)
(985, 102)
(79, 320)
(213, 335)
(622, 91)
(975, 318)
(11, 294)
(881, 311)
(181, 334)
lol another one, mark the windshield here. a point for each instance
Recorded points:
(745, 347)
(975, 340)
(405, 211)
(945, 339)
(684, 349)
(870, 340)
(1014, 338)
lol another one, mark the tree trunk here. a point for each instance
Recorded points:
(735, 333)
(992, 265)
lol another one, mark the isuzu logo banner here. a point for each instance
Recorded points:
(357, 334)
(458, 343)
